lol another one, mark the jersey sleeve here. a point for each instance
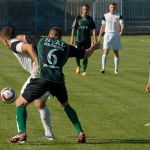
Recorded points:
(121, 19)
(74, 52)
(32, 39)
(74, 23)
(103, 20)
(92, 24)
(16, 47)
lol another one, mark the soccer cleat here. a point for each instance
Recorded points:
(116, 71)
(78, 70)
(103, 71)
(50, 138)
(83, 74)
(81, 138)
(19, 138)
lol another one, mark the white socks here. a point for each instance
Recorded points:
(46, 121)
(116, 62)
(104, 60)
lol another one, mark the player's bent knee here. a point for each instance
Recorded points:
(39, 105)
(21, 101)
(64, 104)
(106, 51)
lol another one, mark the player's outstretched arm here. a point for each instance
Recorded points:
(29, 49)
(89, 51)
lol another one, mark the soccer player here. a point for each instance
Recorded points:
(148, 84)
(82, 27)
(23, 52)
(112, 24)
(53, 53)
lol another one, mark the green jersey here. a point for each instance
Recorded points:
(53, 54)
(83, 27)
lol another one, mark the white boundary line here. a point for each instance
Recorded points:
(147, 124)
(145, 41)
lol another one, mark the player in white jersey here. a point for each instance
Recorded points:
(113, 26)
(16, 45)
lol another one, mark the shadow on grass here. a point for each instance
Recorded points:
(91, 141)
(117, 141)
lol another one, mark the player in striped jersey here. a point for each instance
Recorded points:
(82, 28)
(53, 53)
(16, 45)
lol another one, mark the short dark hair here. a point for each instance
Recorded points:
(58, 30)
(113, 3)
(7, 32)
(86, 5)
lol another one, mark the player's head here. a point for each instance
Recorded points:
(55, 32)
(6, 34)
(112, 7)
(85, 9)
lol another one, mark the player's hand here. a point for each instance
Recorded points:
(71, 42)
(121, 33)
(148, 88)
(0, 97)
(36, 70)
(95, 45)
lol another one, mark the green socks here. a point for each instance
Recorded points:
(73, 118)
(85, 63)
(78, 62)
(21, 116)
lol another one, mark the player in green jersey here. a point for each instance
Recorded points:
(81, 29)
(53, 53)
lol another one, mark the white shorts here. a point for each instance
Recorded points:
(112, 41)
(44, 97)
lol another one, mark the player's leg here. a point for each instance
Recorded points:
(30, 93)
(85, 45)
(21, 117)
(116, 46)
(44, 111)
(78, 66)
(45, 115)
(106, 47)
(84, 66)
(116, 61)
(78, 59)
(72, 115)
(104, 60)
(59, 90)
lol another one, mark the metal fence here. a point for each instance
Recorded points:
(136, 15)
(39, 15)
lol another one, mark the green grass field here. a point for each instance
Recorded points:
(112, 108)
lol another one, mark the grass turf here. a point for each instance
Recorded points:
(112, 108)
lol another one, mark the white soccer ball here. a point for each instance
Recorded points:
(8, 95)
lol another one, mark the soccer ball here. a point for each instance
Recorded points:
(8, 95)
